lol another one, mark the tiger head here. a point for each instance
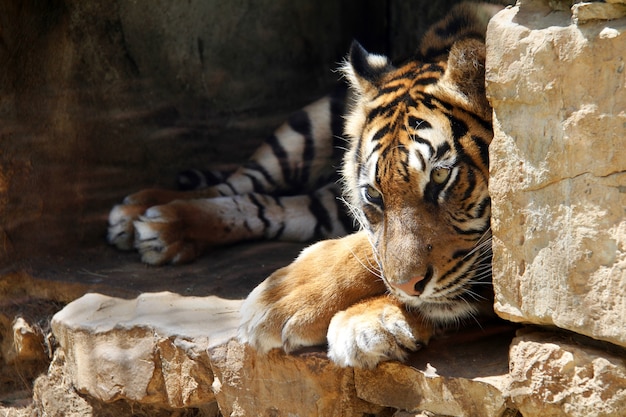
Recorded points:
(416, 171)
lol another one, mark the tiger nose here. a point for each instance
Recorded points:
(415, 285)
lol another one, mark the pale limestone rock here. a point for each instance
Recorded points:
(461, 374)
(408, 388)
(152, 349)
(248, 384)
(165, 351)
(27, 343)
(584, 12)
(554, 375)
(558, 170)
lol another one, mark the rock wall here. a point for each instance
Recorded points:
(558, 173)
(557, 84)
(556, 80)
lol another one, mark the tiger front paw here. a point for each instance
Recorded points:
(375, 331)
(276, 316)
(293, 307)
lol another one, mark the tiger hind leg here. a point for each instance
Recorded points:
(297, 159)
(181, 230)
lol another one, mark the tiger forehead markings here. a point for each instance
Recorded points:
(416, 175)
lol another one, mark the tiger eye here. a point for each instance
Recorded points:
(373, 194)
(440, 175)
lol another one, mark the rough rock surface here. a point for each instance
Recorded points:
(558, 174)
(556, 375)
(152, 349)
(171, 352)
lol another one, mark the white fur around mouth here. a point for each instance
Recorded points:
(444, 311)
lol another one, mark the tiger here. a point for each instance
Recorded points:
(414, 176)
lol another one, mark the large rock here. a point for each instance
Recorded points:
(556, 375)
(166, 352)
(558, 169)
(151, 350)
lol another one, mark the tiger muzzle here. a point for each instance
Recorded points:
(415, 285)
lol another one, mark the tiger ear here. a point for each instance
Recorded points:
(364, 70)
(464, 79)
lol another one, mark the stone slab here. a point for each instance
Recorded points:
(560, 375)
(169, 351)
(558, 169)
(152, 349)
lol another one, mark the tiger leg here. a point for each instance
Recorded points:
(300, 155)
(294, 306)
(179, 231)
(376, 330)
(332, 292)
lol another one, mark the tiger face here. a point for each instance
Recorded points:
(416, 174)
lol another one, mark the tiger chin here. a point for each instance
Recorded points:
(415, 176)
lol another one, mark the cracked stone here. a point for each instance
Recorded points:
(558, 170)
(556, 375)
(166, 351)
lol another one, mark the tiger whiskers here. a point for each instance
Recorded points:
(370, 267)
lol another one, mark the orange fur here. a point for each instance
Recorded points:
(326, 278)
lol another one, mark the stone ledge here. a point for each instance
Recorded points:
(560, 374)
(166, 354)
(174, 352)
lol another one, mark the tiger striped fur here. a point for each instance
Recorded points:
(287, 190)
(415, 178)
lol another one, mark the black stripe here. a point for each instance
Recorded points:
(482, 207)
(374, 151)
(458, 265)
(421, 158)
(229, 185)
(380, 111)
(461, 253)
(301, 123)
(433, 103)
(426, 80)
(471, 185)
(280, 232)
(423, 141)
(256, 185)
(321, 215)
(458, 126)
(433, 68)
(255, 166)
(260, 211)
(281, 155)
(383, 131)
(417, 123)
(441, 150)
(484, 149)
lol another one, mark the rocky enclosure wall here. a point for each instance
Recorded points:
(556, 80)
(555, 76)
(99, 99)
